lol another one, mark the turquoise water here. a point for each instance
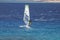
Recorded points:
(45, 21)
(38, 31)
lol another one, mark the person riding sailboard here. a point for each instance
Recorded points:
(26, 17)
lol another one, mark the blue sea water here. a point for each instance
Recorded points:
(45, 19)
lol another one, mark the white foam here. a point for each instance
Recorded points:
(25, 26)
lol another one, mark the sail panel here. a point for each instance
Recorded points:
(26, 15)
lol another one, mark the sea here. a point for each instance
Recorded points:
(45, 21)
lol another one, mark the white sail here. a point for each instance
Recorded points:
(26, 17)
